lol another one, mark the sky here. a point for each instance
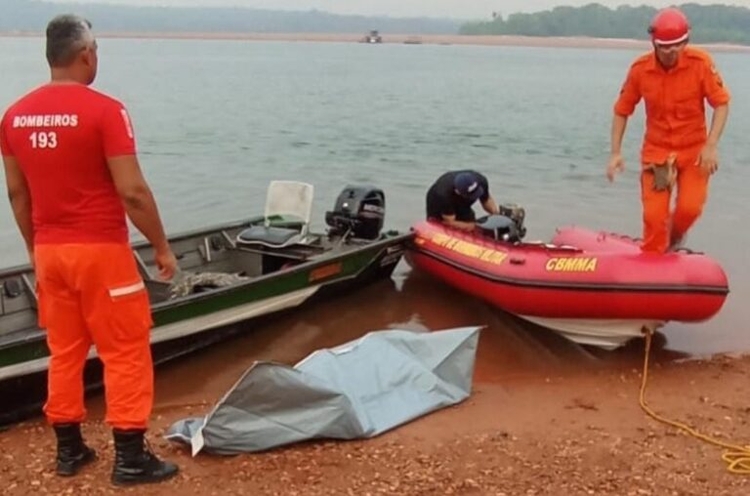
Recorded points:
(462, 9)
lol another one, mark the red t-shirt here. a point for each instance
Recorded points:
(61, 136)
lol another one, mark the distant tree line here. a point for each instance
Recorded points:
(33, 15)
(710, 23)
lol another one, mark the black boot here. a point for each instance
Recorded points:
(134, 461)
(72, 452)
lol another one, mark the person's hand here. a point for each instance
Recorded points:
(708, 159)
(463, 225)
(616, 164)
(166, 263)
(30, 252)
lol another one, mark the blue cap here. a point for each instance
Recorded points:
(467, 185)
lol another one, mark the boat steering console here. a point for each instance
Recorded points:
(506, 226)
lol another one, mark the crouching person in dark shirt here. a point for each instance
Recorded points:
(450, 198)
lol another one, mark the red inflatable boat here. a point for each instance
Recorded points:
(594, 288)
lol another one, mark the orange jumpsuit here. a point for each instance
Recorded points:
(675, 122)
(92, 294)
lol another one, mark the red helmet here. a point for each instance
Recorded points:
(669, 26)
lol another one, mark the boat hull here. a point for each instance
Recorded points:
(601, 281)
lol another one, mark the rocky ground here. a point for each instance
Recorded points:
(571, 434)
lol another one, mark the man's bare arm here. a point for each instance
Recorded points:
(20, 200)
(138, 200)
(451, 221)
(617, 132)
(490, 206)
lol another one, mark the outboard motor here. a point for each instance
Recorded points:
(360, 210)
(507, 226)
(516, 213)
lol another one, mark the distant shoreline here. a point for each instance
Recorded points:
(486, 40)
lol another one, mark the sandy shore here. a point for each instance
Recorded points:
(527, 41)
(570, 434)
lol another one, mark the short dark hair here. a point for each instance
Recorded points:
(67, 34)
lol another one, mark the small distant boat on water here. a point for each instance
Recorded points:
(372, 37)
(231, 274)
(595, 288)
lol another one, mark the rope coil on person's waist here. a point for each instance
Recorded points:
(736, 457)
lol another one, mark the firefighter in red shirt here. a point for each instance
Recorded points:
(674, 80)
(72, 176)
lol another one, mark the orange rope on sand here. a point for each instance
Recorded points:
(737, 457)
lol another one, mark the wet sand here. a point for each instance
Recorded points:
(397, 38)
(545, 416)
(581, 434)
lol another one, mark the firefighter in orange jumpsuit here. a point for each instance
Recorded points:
(72, 176)
(673, 80)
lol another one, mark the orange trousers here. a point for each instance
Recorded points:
(659, 225)
(94, 294)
